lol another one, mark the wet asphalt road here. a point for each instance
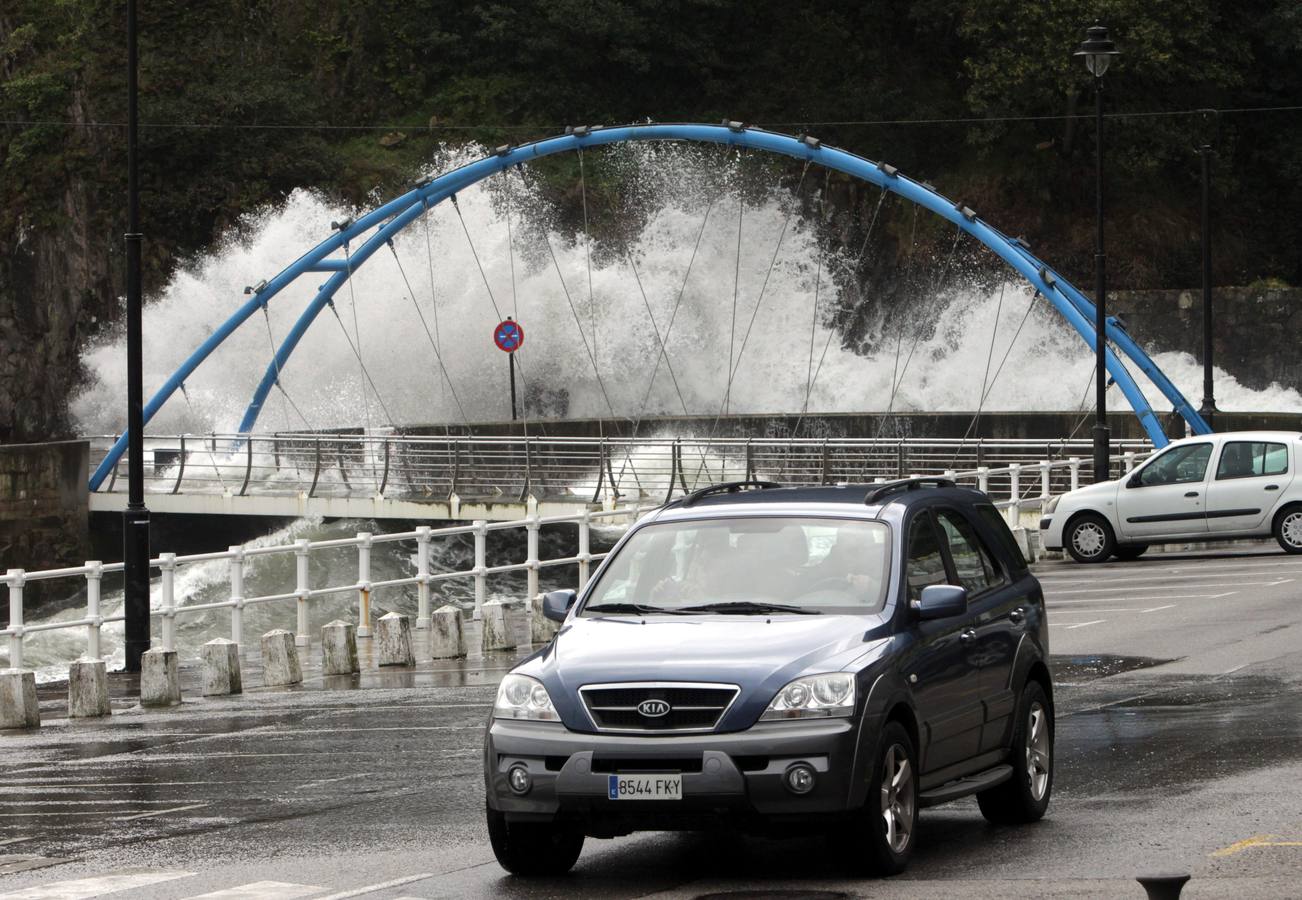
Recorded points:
(1179, 745)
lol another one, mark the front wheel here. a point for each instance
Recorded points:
(880, 840)
(1025, 797)
(1089, 538)
(1288, 529)
(533, 848)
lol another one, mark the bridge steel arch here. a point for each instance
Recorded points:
(387, 220)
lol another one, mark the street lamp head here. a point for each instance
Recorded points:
(1097, 50)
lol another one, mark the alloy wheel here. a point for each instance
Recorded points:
(1037, 751)
(1291, 529)
(898, 801)
(1088, 538)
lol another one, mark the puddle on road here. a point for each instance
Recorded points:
(1098, 665)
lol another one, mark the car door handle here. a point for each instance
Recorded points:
(1191, 494)
(1272, 487)
(1017, 615)
(968, 636)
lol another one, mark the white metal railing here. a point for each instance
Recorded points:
(1015, 495)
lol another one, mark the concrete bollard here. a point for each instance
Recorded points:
(280, 659)
(88, 689)
(541, 628)
(395, 640)
(221, 668)
(18, 706)
(160, 678)
(496, 623)
(339, 649)
(446, 639)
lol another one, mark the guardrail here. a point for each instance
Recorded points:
(569, 468)
(1025, 487)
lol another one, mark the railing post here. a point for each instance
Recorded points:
(750, 460)
(167, 605)
(1044, 482)
(422, 572)
(900, 460)
(16, 578)
(481, 563)
(585, 556)
(1015, 494)
(364, 585)
(532, 561)
(237, 594)
(983, 479)
(94, 581)
(301, 585)
(1129, 456)
(1074, 463)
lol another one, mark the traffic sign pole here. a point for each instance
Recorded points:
(509, 337)
(510, 358)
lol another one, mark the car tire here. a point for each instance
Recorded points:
(1024, 798)
(1127, 552)
(881, 837)
(528, 848)
(1288, 529)
(1089, 539)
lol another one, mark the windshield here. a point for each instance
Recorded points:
(747, 565)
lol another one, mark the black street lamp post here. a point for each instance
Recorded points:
(1097, 51)
(135, 519)
(1208, 408)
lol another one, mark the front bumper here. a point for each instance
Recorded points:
(738, 776)
(1051, 532)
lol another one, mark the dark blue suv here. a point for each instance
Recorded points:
(773, 659)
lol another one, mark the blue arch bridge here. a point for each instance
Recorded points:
(388, 474)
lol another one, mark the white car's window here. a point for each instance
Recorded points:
(1185, 463)
(1250, 459)
(828, 565)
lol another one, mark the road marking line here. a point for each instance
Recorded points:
(1158, 588)
(80, 888)
(1157, 608)
(1083, 624)
(1075, 601)
(157, 812)
(262, 890)
(1236, 668)
(1259, 840)
(370, 889)
(11, 864)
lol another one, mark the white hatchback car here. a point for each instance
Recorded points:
(1202, 488)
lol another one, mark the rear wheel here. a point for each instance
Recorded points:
(1025, 797)
(1127, 552)
(1089, 538)
(1288, 529)
(527, 848)
(880, 840)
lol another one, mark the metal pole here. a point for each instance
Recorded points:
(1101, 434)
(1208, 408)
(511, 362)
(135, 519)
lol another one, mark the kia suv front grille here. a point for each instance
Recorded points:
(657, 707)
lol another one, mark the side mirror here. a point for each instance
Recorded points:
(556, 604)
(941, 601)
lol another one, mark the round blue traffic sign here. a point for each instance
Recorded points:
(508, 336)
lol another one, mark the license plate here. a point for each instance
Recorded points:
(645, 787)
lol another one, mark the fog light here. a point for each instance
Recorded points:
(800, 779)
(518, 778)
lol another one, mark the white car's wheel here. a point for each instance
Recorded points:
(1089, 538)
(1288, 529)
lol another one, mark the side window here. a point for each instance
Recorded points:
(1248, 459)
(975, 569)
(1177, 465)
(926, 566)
(999, 526)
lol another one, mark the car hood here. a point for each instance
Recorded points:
(1092, 492)
(757, 653)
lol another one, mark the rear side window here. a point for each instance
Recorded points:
(1250, 459)
(999, 527)
(975, 569)
(926, 566)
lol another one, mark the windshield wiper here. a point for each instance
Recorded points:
(750, 607)
(637, 608)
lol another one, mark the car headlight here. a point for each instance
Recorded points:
(1052, 504)
(814, 697)
(522, 697)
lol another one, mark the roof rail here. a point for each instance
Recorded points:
(904, 484)
(728, 487)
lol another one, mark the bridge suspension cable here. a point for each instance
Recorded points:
(366, 375)
(357, 350)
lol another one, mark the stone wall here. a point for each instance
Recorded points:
(44, 515)
(1257, 331)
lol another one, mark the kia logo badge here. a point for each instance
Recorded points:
(653, 709)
